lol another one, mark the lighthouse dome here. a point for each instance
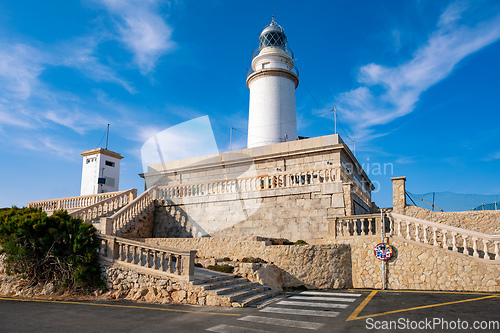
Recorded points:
(273, 36)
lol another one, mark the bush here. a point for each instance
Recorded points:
(56, 248)
(300, 242)
(254, 260)
(221, 268)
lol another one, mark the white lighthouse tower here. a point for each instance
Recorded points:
(272, 81)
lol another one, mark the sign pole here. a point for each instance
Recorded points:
(382, 232)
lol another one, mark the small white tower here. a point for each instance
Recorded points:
(272, 81)
(100, 171)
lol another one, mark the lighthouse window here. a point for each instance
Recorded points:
(109, 163)
(266, 65)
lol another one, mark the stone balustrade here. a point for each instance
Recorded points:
(357, 225)
(282, 180)
(115, 223)
(93, 212)
(470, 243)
(72, 203)
(148, 258)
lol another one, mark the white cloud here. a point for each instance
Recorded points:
(364, 107)
(141, 29)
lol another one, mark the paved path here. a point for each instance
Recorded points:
(333, 311)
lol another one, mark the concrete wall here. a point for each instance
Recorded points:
(315, 266)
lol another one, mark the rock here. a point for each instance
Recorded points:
(48, 289)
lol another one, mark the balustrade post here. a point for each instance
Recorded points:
(454, 241)
(115, 246)
(434, 236)
(128, 254)
(134, 255)
(445, 239)
(187, 265)
(155, 259)
(417, 232)
(178, 264)
(485, 249)
(497, 255)
(464, 244)
(426, 241)
(474, 247)
(170, 263)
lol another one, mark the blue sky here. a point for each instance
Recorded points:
(415, 84)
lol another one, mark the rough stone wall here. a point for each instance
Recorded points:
(420, 267)
(315, 266)
(128, 284)
(485, 221)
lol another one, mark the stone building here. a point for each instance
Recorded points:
(279, 186)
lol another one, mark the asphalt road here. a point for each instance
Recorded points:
(329, 311)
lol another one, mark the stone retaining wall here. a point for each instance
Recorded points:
(292, 213)
(420, 267)
(314, 266)
(485, 221)
(125, 283)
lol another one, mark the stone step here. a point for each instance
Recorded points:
(223, 283)
(213, 279)
(254, 299)
(235, 287)
(231, 297)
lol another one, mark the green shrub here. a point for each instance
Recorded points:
(300, 242)
(226, 259)
(254, 260)
(221, 268)
(56, 248)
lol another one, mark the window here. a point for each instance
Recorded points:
(109, 163)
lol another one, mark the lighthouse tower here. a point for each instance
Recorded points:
(272, 81)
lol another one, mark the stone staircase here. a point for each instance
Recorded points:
(233, 291)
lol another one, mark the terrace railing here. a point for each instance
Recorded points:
(282, 180)
(148, 258)
(470, 243)
(72, 203)
(143, 203)
(93, 212)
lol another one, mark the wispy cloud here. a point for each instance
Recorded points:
(141, 28)
(387, 93)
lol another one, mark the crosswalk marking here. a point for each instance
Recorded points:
(329, 294)
(301, 312)
(317, 298)
(233, 329)
(314, 304)
(283, 322)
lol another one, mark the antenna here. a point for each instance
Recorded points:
(107, 136)
(335, 117)
(230, 138)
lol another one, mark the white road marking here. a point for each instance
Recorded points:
(319, 293)
(233, 329)
(284, 322)
(314, 304)
(332, 299)
(301, 312)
